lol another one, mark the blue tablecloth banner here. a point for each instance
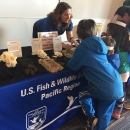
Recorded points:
(45, 101)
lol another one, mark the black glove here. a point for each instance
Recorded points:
(27, 66)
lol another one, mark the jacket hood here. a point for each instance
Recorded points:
(95, 44)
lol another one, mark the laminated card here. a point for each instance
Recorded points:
(47, 42)
(57, 44)
(15, 48)
(99, 28)
(36, 45)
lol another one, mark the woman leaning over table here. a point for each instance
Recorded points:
(59, 20)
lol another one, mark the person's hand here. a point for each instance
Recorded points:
(66, 46)
(74, 42)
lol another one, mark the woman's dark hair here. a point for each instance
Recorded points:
(120, 34)
(122, 10)
(56, 15)
(86, 28)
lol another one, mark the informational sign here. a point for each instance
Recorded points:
(47, 34)
(47, 39)
(15, 48)
(99, 28)
(47, 44)
(36, 45)
(42, 102)
(57, 44)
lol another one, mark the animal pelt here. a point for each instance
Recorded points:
(27, 66)
(41, 54)
(50, 65)
(58, 54)
(9, 59)
(69, 53)
(31, 69)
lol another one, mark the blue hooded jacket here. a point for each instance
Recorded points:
(114, 60)
(104, 81)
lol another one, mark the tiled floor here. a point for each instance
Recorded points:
(78, 123)
(121, 124)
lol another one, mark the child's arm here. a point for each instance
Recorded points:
(75, 63)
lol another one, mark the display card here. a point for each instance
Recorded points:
(99, 29)
(15, 48)
(47, 39)
(36, 45)
(57, 44)
(47, 43)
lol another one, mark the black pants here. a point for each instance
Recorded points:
(35, 31)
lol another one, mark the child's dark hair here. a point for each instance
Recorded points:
(120, 34)
(109, 41)
(86, 28)
(103, 34)
(122, 10)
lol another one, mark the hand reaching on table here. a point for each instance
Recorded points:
(66, 46)
(74, 42)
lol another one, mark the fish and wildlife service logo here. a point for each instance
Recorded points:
(35, 118)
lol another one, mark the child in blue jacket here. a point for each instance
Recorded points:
(103, 79)
(112, 57)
